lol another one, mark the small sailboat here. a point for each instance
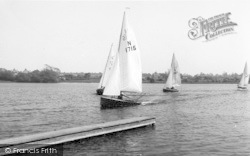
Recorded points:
(174, 78)
(244, 79)
(126, 75)
(107, 70)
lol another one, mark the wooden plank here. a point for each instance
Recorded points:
(72, 134)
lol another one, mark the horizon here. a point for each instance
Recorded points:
(75, 36)
(142, 72)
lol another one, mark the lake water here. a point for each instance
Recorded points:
(202, 119)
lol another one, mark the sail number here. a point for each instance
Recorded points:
(130, 47)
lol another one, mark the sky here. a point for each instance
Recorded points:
(75, 36)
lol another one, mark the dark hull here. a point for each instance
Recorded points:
(242, 88)
(108, 102)
(170, 90)
(99, 91)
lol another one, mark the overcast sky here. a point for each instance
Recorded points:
(76, 36)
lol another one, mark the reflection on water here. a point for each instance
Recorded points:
(202, 119)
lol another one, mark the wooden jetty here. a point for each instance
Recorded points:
(72, 134)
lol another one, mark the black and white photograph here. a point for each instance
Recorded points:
(124, 78)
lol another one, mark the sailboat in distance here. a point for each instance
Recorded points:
(174, 77)
(244, 79)
(107, 70)
(126, 75)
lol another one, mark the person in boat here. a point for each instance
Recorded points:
(120, 96)
(170, 88)
(100, 90)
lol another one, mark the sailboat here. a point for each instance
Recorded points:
(174, 78)
(107, 71)
(126, 75)
(244, 79)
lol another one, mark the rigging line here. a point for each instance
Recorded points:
(126, 96)
(140, 97)
(136, 99)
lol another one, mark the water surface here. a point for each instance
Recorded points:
(202, 119)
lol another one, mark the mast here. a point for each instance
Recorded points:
(123, 20)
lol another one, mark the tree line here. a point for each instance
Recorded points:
(212, 78)
(37, 76)
(52, 75)
(48, 74)
(198, 78)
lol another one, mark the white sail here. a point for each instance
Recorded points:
(109, 65)
(130, 61)
(113, 84)
(174, 78)
(244, 78)
(126, 74)
(176, 72)
(169, 82)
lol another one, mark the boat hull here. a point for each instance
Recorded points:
(170, 90)
(108, 102)
(242, 88)
(99, 91)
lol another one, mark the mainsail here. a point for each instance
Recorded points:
(113, 84)
(127, 73)
(176, 72)
(174, 78)
(169, 82)
(244, 78)
(109, 65)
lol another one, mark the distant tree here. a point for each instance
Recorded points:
(69, 76)
(49, 76)
(36, 76)
(23, 77)
(151, 80)
(87, 76)
(80, 77)
(6, 75)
